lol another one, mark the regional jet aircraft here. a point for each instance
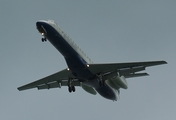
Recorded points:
(105, 79)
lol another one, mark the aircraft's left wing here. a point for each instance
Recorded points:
(126, 69)
(55, 80)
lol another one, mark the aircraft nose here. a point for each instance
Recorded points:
(40, 28)
(38, 24)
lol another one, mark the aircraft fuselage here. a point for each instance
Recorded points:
(76, 60)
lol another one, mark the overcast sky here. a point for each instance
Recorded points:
(107, 31)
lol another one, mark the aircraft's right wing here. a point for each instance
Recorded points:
(128, 70)
(55, 80)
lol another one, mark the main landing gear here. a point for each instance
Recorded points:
(101, 81)
(71, 88)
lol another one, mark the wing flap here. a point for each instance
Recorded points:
(135, 75)
(57, 84)
(49, 86)
(74, 83)
(131, 70)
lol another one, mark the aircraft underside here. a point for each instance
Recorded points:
(106, 79)
(77, 66)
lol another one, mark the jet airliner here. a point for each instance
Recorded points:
(105, 79)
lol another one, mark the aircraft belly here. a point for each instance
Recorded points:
(78, 67)
(76, 63)
(80, 71)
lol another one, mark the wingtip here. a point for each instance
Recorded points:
(21, 88)
(18, 89)
(162, 62)
(165, 62)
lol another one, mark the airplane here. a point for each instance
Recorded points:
(105, 79)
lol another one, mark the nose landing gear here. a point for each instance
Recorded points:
(44, 39)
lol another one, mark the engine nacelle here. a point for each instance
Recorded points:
(88, 89)
(118, 82)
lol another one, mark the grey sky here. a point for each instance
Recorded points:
(107, 31)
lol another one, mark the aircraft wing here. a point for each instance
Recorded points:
(60, 78)
(128, 70)
(53, 81)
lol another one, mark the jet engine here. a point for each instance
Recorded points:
(88, 89)
(118, 82)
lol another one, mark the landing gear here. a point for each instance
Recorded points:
(101, 81)
(44, 39)
(71, 88)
